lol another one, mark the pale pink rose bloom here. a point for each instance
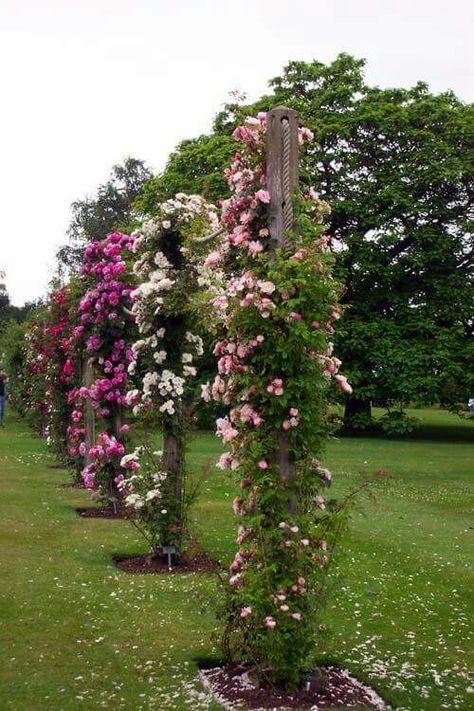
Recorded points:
(213, 259)
(301, 581)
(325, 474)
(224, 461)
(245, 612)
(270, 622)
(238, 506)
(343, 384)
(296, 616)
(255, 247)
(263, 196)
(286, 425)
(304, 542)
(304, 134)
(262, 464)
(266, 287)
(298, 256)
(284, 608)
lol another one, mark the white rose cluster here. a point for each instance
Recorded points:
(142, 490)
(153, 302)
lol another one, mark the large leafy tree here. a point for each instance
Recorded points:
(8, 312)
(394, 164)
(92, 218)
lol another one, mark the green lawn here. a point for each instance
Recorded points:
(77, 633)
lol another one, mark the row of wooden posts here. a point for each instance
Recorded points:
(282, 160)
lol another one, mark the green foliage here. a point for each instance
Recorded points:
(12, 361)
(195, 167)
(397, 423)
(361, 421)
(8, 312)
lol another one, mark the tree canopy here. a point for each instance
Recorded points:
(394, 164)
(109, 209)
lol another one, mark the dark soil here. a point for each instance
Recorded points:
(335, 689)
(72, 485)
(102, 512)
(199, 563)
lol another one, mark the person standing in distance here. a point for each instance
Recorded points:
(3, 378)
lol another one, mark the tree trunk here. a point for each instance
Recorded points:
(356, 406)
(117, 422)
(88, 377)
(173, 465)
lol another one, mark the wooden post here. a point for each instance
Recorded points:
(173, 460)
(282, 173)
(89, 417)
(282, 156)
(173, 464)
(117, 418)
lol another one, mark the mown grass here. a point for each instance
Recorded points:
(77, 633)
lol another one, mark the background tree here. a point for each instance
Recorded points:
(95, 217)
(394, 164)
(8, 312)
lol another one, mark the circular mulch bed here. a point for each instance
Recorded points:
(199, 563)
(335, 689)
(72, 485)
(101, 512)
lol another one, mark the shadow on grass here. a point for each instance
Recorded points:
(453, 434)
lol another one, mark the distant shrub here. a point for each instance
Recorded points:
(397, 423)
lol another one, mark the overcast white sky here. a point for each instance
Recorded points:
(84, 84)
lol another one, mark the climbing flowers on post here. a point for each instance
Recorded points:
(275, 368)
(168, 254)
(103, 338)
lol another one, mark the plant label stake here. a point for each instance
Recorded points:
(169, 551)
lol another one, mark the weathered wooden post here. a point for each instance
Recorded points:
(282, 173)
(117, 420)
(89, 416)
(282, 156)
(173, 456)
